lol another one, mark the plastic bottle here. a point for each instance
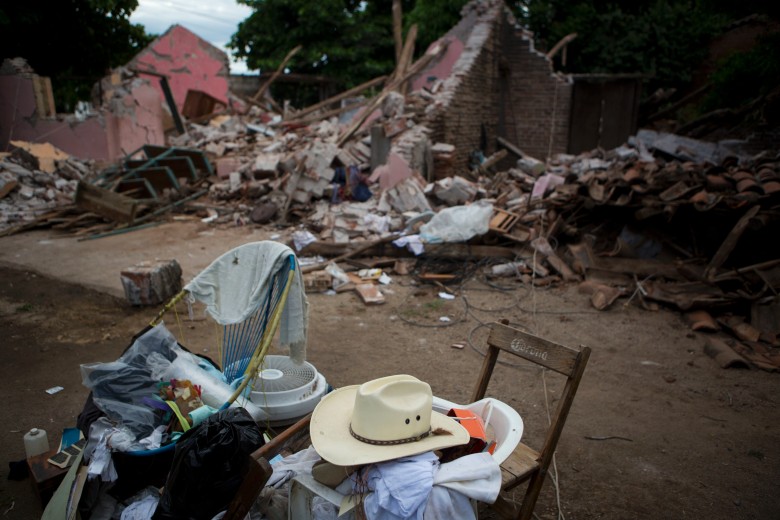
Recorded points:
(36, 442)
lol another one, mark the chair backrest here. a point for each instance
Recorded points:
(558, 358)
(245, 292)
(241, 340)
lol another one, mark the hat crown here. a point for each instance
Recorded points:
(392, 408)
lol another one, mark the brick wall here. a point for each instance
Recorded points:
(468, 101)
(502, 87)
(539, 101)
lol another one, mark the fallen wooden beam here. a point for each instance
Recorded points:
(417, 67)
(730, 242)
(456, 251)
(262, 90)
(347, 93)
(111, 205)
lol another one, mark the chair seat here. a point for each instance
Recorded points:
(521, 464)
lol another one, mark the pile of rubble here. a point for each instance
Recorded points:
(661, 219)
(36, 182)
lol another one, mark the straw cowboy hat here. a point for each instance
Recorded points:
(380, 420)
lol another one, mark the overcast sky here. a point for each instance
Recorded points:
(214, 20)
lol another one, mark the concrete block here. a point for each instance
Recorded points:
(226, 166)
(152, 283)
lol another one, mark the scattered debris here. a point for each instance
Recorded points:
(659, 220)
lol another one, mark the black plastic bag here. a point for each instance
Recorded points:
(208, 466)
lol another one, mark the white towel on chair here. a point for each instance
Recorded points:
(234, 284)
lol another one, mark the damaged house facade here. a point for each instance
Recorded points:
(129, 114)
(495, 83)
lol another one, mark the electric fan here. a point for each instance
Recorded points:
(287, 391)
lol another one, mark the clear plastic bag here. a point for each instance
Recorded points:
(123, 389)
(458, 223)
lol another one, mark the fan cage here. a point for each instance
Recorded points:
(281, 374)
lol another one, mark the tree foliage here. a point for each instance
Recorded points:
(433, 18)
(663, 39)
(666, 40)
(346, 40)
(72, 41)
(349, 41)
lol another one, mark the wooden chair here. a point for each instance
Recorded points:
(258, 469)
(526, 464)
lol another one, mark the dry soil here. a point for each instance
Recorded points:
(657, 429)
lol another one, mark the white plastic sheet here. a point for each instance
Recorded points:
(458, 223)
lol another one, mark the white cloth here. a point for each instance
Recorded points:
(412, 243)
(400, 487)
(233, 287)
(142, 509)
(476, 476)
(421, 488)
(286, 468)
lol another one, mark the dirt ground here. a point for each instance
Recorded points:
(657, 429)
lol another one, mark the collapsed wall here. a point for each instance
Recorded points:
(495, 84)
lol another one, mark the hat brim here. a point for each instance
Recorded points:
(330, 436)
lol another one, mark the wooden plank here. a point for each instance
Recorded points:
(325, 115)
(347, 93)
(262, 90)
(113, 206)
(370, 294)
(533, 348)
(417, 67)
(519, 466)
(397, 25)
(730, 243)
(257, 473)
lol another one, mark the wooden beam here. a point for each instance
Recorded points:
(512, 148)
(406, 57)
(397, 23)
(730, 243)
(562, 43)
(262, 90)
(355, 90)
(325, 115)
(108, 204)
(416, 68)
(380, 248)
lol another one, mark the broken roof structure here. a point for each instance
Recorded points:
(189, 63)
(128, 114)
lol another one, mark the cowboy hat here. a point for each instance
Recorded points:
(380, 420)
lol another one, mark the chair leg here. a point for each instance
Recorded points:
(257, 474)
(505, 509)
(531, 495)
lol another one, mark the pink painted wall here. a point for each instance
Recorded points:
(18, 121)
(189, 62)
(121, 126)
(442, 67)
(134, 120)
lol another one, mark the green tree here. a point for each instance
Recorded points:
(74, 42)
(433, 19)
(345, 40)
(667, 40)
(349, 41)
(664, 39)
